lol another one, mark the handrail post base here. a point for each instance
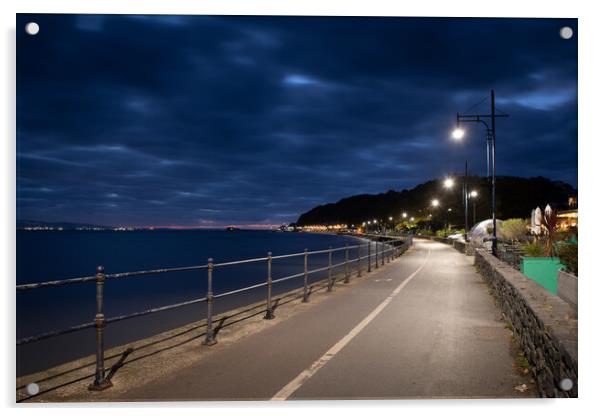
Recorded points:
(101, 385)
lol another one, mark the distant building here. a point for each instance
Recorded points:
(568, 219)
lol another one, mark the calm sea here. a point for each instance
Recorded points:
(56, 255)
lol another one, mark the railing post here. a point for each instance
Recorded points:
(100, 381)
(347, 263)
(269, 313)
(330, 282)
(209, 334)
(389, 252)
(376, 255)
(305, 291)
(369, 259)
(382, 254)
(359, 260)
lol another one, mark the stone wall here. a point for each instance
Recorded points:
(567, 288)
(544, 324)
(460, 246)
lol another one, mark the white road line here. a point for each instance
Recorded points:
(306, 374)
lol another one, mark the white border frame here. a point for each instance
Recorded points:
(590, 66)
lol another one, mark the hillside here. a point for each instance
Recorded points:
(516, 197)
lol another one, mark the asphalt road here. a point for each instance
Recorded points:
(424, 326)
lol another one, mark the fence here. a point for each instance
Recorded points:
(384, 251)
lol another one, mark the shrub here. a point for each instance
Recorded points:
(568, 254)
(534, 249)
(441, 233)
(514, 229)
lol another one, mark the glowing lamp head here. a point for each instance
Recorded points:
(404, 215)
(435, 202)
(411, 218)
(473, 194)
(390, 218)
(458, 133)
(448, 182)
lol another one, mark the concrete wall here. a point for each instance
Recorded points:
(544, 324)
(567, 288)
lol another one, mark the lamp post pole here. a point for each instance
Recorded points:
(480, 118)
(465, 201)
(494, 242)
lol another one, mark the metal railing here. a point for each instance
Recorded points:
(385, 251)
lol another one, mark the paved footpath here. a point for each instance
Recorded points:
(424, 326)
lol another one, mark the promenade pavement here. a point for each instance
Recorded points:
(424, 326)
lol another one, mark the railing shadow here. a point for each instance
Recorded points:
(224, 322)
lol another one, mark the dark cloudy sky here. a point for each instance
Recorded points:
(210, 121)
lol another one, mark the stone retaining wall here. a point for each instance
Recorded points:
(544, 324)
(567, 288)
(460, 246)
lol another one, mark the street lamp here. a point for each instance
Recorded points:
(473, 195)
(435, 202)
(458, 133)
(480, 118)
(449, 183)
(404, 215)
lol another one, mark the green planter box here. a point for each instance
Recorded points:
(542, 270)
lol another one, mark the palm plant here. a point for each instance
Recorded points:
(549, 223)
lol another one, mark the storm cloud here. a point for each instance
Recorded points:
(217, 120)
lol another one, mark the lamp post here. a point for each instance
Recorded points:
(458, 134)
(473, 195)
(465, 198)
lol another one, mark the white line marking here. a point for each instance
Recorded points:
(306, 374)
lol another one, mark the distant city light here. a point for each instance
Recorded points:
(458, 134)
(435, 202)
(411, 218)
(404, 215)
(448, 182)
(473, 194)
(390, 218)
(449, 209)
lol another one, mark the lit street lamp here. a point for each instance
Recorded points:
(448, 182)
(404, 215)
(473, 195)
(458, 133)
(435, 202)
